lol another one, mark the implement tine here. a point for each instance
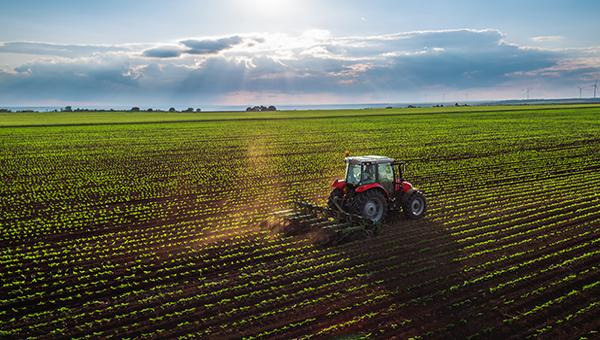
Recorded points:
(334, 222)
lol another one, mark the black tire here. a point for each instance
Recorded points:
(415, 206)
(372, 205)
(336, 194)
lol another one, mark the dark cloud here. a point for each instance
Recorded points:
(197, 47)
(210, 46)
(67, 81)
(456, 68)
(163, 52)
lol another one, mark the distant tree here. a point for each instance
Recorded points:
(189, 109)
(68, 109)
(261, 108)
(149, 109)
(411, 106)
(389, 107)
(135, 109)
(198, 110)
(172, 109)
(456, 104)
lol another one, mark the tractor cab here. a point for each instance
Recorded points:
(372, 186)
(380, 170)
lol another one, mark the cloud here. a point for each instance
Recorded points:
(396, 67)
(206, 46)
(547, 38)
(163, 52)
(60, 50)
(37, 82)
(210, 46)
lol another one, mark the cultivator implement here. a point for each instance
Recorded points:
(326, 226)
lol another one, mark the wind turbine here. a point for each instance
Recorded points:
(595, 88)
(580, 89)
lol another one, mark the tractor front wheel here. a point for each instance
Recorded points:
(415, 206)
(372, 205)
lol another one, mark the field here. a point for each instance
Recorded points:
(148, 225)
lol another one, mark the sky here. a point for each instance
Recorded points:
(292, 52)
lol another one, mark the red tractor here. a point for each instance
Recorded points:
(357, 206)
(374, 186)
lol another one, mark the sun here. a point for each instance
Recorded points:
(268, 8)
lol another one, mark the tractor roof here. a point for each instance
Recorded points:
(369, 159)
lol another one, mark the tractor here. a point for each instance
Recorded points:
(373, 187)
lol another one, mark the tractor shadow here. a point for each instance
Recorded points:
(410, 261)
(406, 256)
(420, 249)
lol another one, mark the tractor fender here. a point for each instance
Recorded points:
(376, 186)
(406, 195)
(402, 186)
(338, 184)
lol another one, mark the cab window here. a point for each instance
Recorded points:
(368, 174)
(353, 174)
(386, 174)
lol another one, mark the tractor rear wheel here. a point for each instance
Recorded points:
(372, 205)
(415, 206)
(335, 196)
